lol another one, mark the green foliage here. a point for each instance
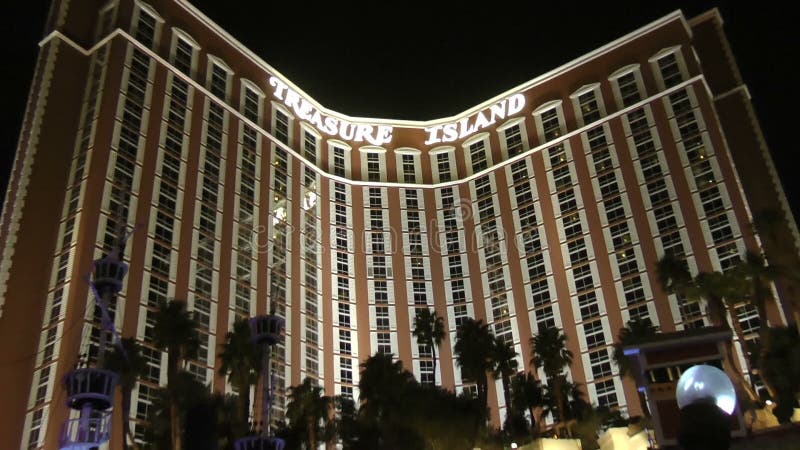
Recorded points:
(637, 331)
(429, 330)
(187, 393)
(126, 360)
(307, 408)
(175, 331)
(781, 366)
(550, 353)
(473, 349)
(528, 395)
(240, 360)
(396, 412)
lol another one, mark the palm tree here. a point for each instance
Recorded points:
(429, 330)
(381, 384)
(308, 406)
(781, 366)
(550, 352)
(756, 278)
(673, 275)
(719, 290)
(527, 395)
(473, 349)
(637, 332)
(383, 387)
(504, 359)
(175, 332)
(127, 361)
(240, 360)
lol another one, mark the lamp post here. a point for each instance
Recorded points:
(706, 398)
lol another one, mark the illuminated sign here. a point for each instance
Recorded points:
(378, 135)
(451, 132)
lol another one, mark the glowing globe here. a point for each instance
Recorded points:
(704, 383)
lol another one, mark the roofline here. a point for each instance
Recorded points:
(671, 17)
(712, 14)
(715, 336)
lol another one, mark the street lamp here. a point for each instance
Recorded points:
(707, 399)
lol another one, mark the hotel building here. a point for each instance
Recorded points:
(548, 205)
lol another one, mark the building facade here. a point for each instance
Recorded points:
(548, 205)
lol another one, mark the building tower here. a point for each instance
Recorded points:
(547, 205)
(90, 390)
(266, 333)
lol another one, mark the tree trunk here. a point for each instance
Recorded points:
(559, 400)
(718, 314)
(173, 359)
(126, 421)
(433, 351)
(312, 434)
(174, 426)
(507, 393)
(244, 403)
(737, 329)
(643, 403)
(763, 350)
(534, 422)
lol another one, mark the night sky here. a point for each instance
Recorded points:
(418, 62)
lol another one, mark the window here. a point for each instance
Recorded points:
(183, 56)
(373, 166)
(384, 343)
(251, 105)
(409, 168)
(382, 317)
(477, 153)
(426, 372)
(146, 28)
(572, 225)
(600, 363)
(589, 109)
(218, 81)
(281, 127)
(583, 277)
(551, 126)
(344, 315)
(310, 146)
(338, 161)
(606, 393)
(634, 292)
(577, 251)
(588, 305)
(443, 166)
(514, 145)
(628, 89)
(670, 70)
(593, 331)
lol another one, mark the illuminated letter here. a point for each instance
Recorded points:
(280, 86)
(362, 131)
(499, 111)
(291, 99)
(481, 121)
(384, 135)
(316, 120)
(331, 125)
(515, 104)
(450, 132)
(304, 111)
(433, 133)
(347, 130)
(466, 130)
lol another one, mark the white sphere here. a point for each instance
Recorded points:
(703, 382)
